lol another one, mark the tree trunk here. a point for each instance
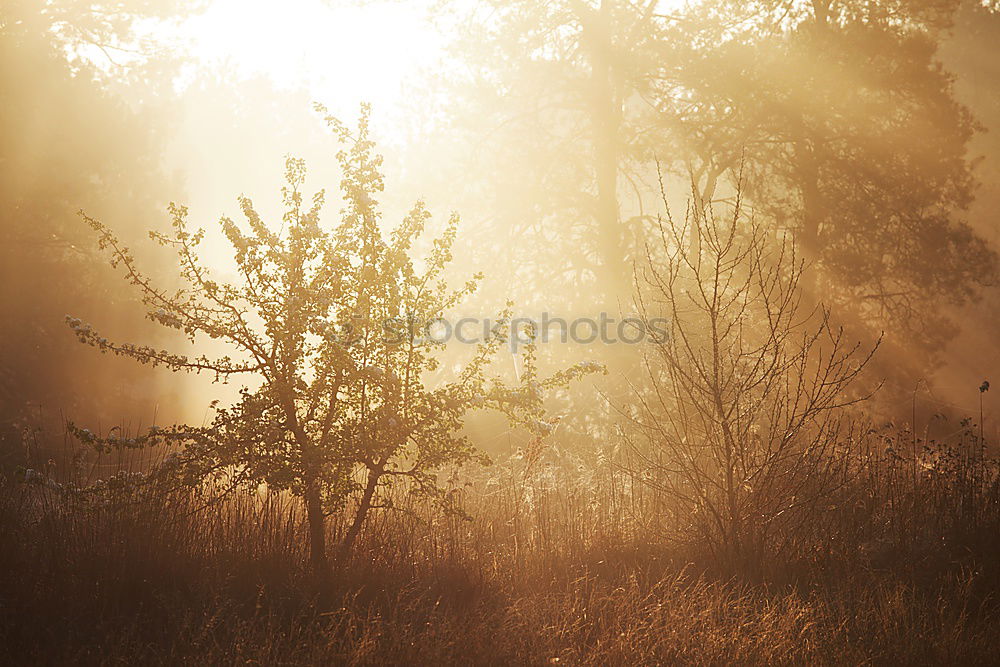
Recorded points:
(360, 516)
(812, 201)
(808, 146)
(317, 528)
(606, 121)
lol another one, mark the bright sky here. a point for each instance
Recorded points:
(335, 50)
(340, 54)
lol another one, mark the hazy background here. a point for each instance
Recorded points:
(877, 124)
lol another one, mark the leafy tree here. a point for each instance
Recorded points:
(853, 139)
(551, 85)
(332, 327)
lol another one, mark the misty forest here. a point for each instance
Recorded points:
(502, 332)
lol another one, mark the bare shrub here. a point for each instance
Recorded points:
(740, 420)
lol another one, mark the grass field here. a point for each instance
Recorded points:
(904, 571)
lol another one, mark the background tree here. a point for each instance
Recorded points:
(551, 85)
(854, 139)
(848, 125)
(331, 327)
(67, 139)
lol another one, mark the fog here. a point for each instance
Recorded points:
(488, 110)
(364, 330)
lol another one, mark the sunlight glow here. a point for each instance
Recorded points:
(339, 54)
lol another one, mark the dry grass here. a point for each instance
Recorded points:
(540, 576)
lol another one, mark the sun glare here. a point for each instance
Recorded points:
(340, 55)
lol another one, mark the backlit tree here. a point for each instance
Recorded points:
(329, 327)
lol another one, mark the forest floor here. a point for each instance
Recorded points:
(178, 580)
